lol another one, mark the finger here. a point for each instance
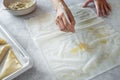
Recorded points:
(59, 24)
(72, 21)
(106, 10)
(98, 8)
(103, 11)
(109, 6)
(66, 23)
(71, 18)
(73, 28)
(56, 22)
(87, 2)
(62, 25)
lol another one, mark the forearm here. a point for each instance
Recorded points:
(56, 3)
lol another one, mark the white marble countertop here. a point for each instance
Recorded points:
(16, 27)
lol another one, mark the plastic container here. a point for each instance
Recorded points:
(20, 53)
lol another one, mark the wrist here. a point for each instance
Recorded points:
(58, 2)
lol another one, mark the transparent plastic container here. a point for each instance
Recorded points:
(19, 52)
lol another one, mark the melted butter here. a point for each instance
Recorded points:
(10, 66)
(90, 28)
(74, 50)
(82, 47)
(96, 32)
(100, 35)
(103, 41)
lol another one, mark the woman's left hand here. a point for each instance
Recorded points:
(102, 6)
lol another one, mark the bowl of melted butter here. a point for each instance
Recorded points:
(20, 7)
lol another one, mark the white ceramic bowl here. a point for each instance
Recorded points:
(21, 11)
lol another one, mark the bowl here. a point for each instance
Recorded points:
(20, 7)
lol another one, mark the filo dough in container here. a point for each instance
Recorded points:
(4, 51)
(11, 65)
(2, 41)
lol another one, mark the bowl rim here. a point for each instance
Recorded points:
(34, 3)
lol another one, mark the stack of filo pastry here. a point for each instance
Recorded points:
(8, 60)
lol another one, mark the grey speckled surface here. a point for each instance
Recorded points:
(16, 27)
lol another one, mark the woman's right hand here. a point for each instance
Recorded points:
(61, 20)
(66, 21)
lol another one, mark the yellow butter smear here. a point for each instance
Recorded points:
(96, 32)
(90, 28)
(11, 65)
(103, 41)
(82, 47)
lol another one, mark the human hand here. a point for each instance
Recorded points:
(65, 19)
(102, 6)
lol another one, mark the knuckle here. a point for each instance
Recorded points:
(66, 24)
(62, 29)
(62, 14)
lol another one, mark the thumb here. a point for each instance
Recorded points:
(87, 2)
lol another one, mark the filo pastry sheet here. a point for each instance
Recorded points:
(9, 63)
(95, 49)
